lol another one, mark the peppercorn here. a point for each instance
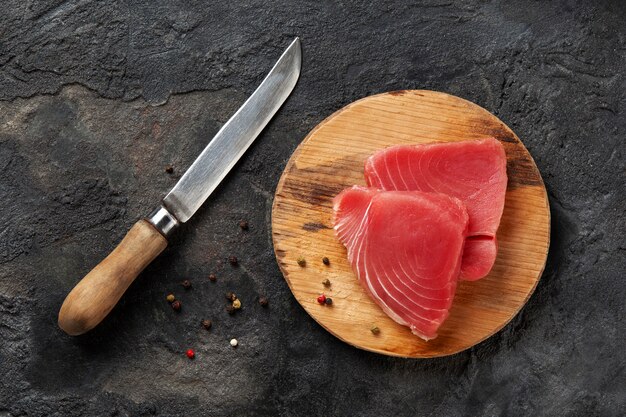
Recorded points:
(236, 304)
(234, 342)
(233, 260)
(263, 301)
(176, 305)
(328, 301)
(321, 299)
(170, 298)
(243, 224)
(375, 330)
(191, 354)
(230, 309)
(230, 296)
(207, 324)
(169, 169)
(302, 261)
(212, 277)
(325, 260)
(186, 284)
(326, 282)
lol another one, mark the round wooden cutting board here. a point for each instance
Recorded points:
(331, 158)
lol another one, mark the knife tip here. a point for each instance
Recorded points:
(296, 48)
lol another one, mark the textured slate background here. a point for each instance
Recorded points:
(98, 96)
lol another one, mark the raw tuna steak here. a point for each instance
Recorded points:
(405, 247)
(472, 171)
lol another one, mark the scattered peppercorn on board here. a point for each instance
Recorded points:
(331, 158)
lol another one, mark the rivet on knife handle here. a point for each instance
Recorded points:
(98, 292)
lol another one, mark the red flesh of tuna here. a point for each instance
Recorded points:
(405, 247)
(472, 171)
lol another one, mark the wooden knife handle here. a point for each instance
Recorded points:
(98, 292)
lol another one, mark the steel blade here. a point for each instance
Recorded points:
(232, 140)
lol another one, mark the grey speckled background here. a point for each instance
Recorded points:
(98, 96)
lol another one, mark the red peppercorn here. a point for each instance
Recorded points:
(176, 305)
(191, 354)
(321, 299)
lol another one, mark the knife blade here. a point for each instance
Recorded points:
(98, 292)
(234, 137)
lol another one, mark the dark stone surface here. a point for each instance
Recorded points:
(98, 97)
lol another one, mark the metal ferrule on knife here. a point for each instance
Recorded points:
(163, 221)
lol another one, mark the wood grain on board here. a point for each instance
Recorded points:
(331, 158)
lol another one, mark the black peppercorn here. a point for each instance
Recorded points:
(230, 296)
(212, 278)
(233, 260)
(243, 224)
(206, 324)
(176, 305)
(169, 169)
(325, 260)
(230, 309)
(186, 284)
(328, 301)
(263, 301)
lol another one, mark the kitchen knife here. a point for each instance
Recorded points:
(98, 292)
